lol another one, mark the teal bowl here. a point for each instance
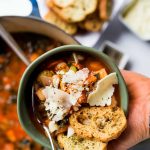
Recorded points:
(25, 89)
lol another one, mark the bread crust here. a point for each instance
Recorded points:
(63, 3)
(104, 9)
(51, 17)
(91, 23)
(77, 143)
(101, 123)
(75, 12)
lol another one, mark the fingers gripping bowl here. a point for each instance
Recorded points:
(67, 86)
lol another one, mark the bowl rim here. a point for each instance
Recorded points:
(30, 69)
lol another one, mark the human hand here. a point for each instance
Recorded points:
(139, 112)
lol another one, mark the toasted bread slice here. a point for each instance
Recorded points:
(75, 12)
(69, 28)
(91, 23)
(101, 123)
(63, 3)
(76, 143)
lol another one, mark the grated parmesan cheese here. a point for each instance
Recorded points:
(101, 96)
(72, 77)
(52, 126)
(70, 132)
(57, 103)
(138, 18)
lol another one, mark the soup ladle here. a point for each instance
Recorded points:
(6, 36)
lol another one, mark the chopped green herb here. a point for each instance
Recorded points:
(73, 68)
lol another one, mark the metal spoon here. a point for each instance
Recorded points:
(53, 144)
(12, 43)
(39, 119)
(48, 134)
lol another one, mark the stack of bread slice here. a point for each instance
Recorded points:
(94, 127)
(70, 15)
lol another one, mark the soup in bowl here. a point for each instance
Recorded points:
(78, 93)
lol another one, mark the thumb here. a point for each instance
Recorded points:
(131, 77)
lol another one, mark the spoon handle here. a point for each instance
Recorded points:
(49, 136)
(11, 42)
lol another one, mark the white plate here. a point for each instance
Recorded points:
(15, 7)
(90, 38)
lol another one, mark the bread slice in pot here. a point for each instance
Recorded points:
(100, 123)
(76, 143)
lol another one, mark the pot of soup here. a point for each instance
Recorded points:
(35, 37)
